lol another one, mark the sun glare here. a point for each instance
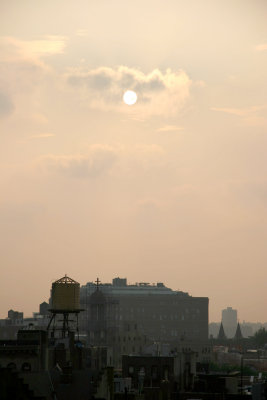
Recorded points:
(130, 97)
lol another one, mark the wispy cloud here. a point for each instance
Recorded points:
(170, 128)
(82, 32)
(41, 136)
(261, 47)
(97, 161)
(100, 160)
(235, 111)
(14, 49)
(251, 116)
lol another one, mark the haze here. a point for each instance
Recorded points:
(172, 189)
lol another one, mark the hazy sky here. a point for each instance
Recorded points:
(172, 189)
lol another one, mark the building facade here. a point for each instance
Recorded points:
(151, 313)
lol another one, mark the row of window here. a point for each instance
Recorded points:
(124, 338)
(152, 371)
(101, 334)
(26, 366)
(133, 349)
(160, 317)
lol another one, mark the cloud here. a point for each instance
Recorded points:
(261, 47)
(148, 204)
(14, 49)
(26, 77)
(6, 104)
(170, 128)
(100, 160)
(250, 192)
(82, 32)
(18, 216)
(148, 150)
(161, 93)
(96, 162)
(251, 116)
(235, 111)
(42, 135)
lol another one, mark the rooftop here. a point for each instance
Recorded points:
(119, 286)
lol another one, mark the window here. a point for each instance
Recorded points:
(142, 371)
(11, 366)
(26, 367)
(154, 372)
(131, 369)
(166, 373)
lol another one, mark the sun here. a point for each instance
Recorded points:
(130, 97)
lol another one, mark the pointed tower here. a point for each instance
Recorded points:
(221, 335)
(238, 333)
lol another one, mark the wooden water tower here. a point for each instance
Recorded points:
(65, 303)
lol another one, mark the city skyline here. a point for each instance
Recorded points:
(141, 287)
(170, 189)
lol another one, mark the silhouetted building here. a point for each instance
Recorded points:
(43, 308)
(36, 367)
(168, 374)
(129, 317)
(28, 353)
(148, 371)
(15, 315)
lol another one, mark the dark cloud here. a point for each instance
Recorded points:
(6, 105)
(121, 78)
(149, 86)
(20, 213)
(97, 80)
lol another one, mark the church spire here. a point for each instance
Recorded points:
(238, 333)
(221, 335)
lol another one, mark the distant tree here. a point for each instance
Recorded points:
(260, 337)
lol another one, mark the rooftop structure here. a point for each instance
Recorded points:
(65, 295)
(65, 301)
(119, 286)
